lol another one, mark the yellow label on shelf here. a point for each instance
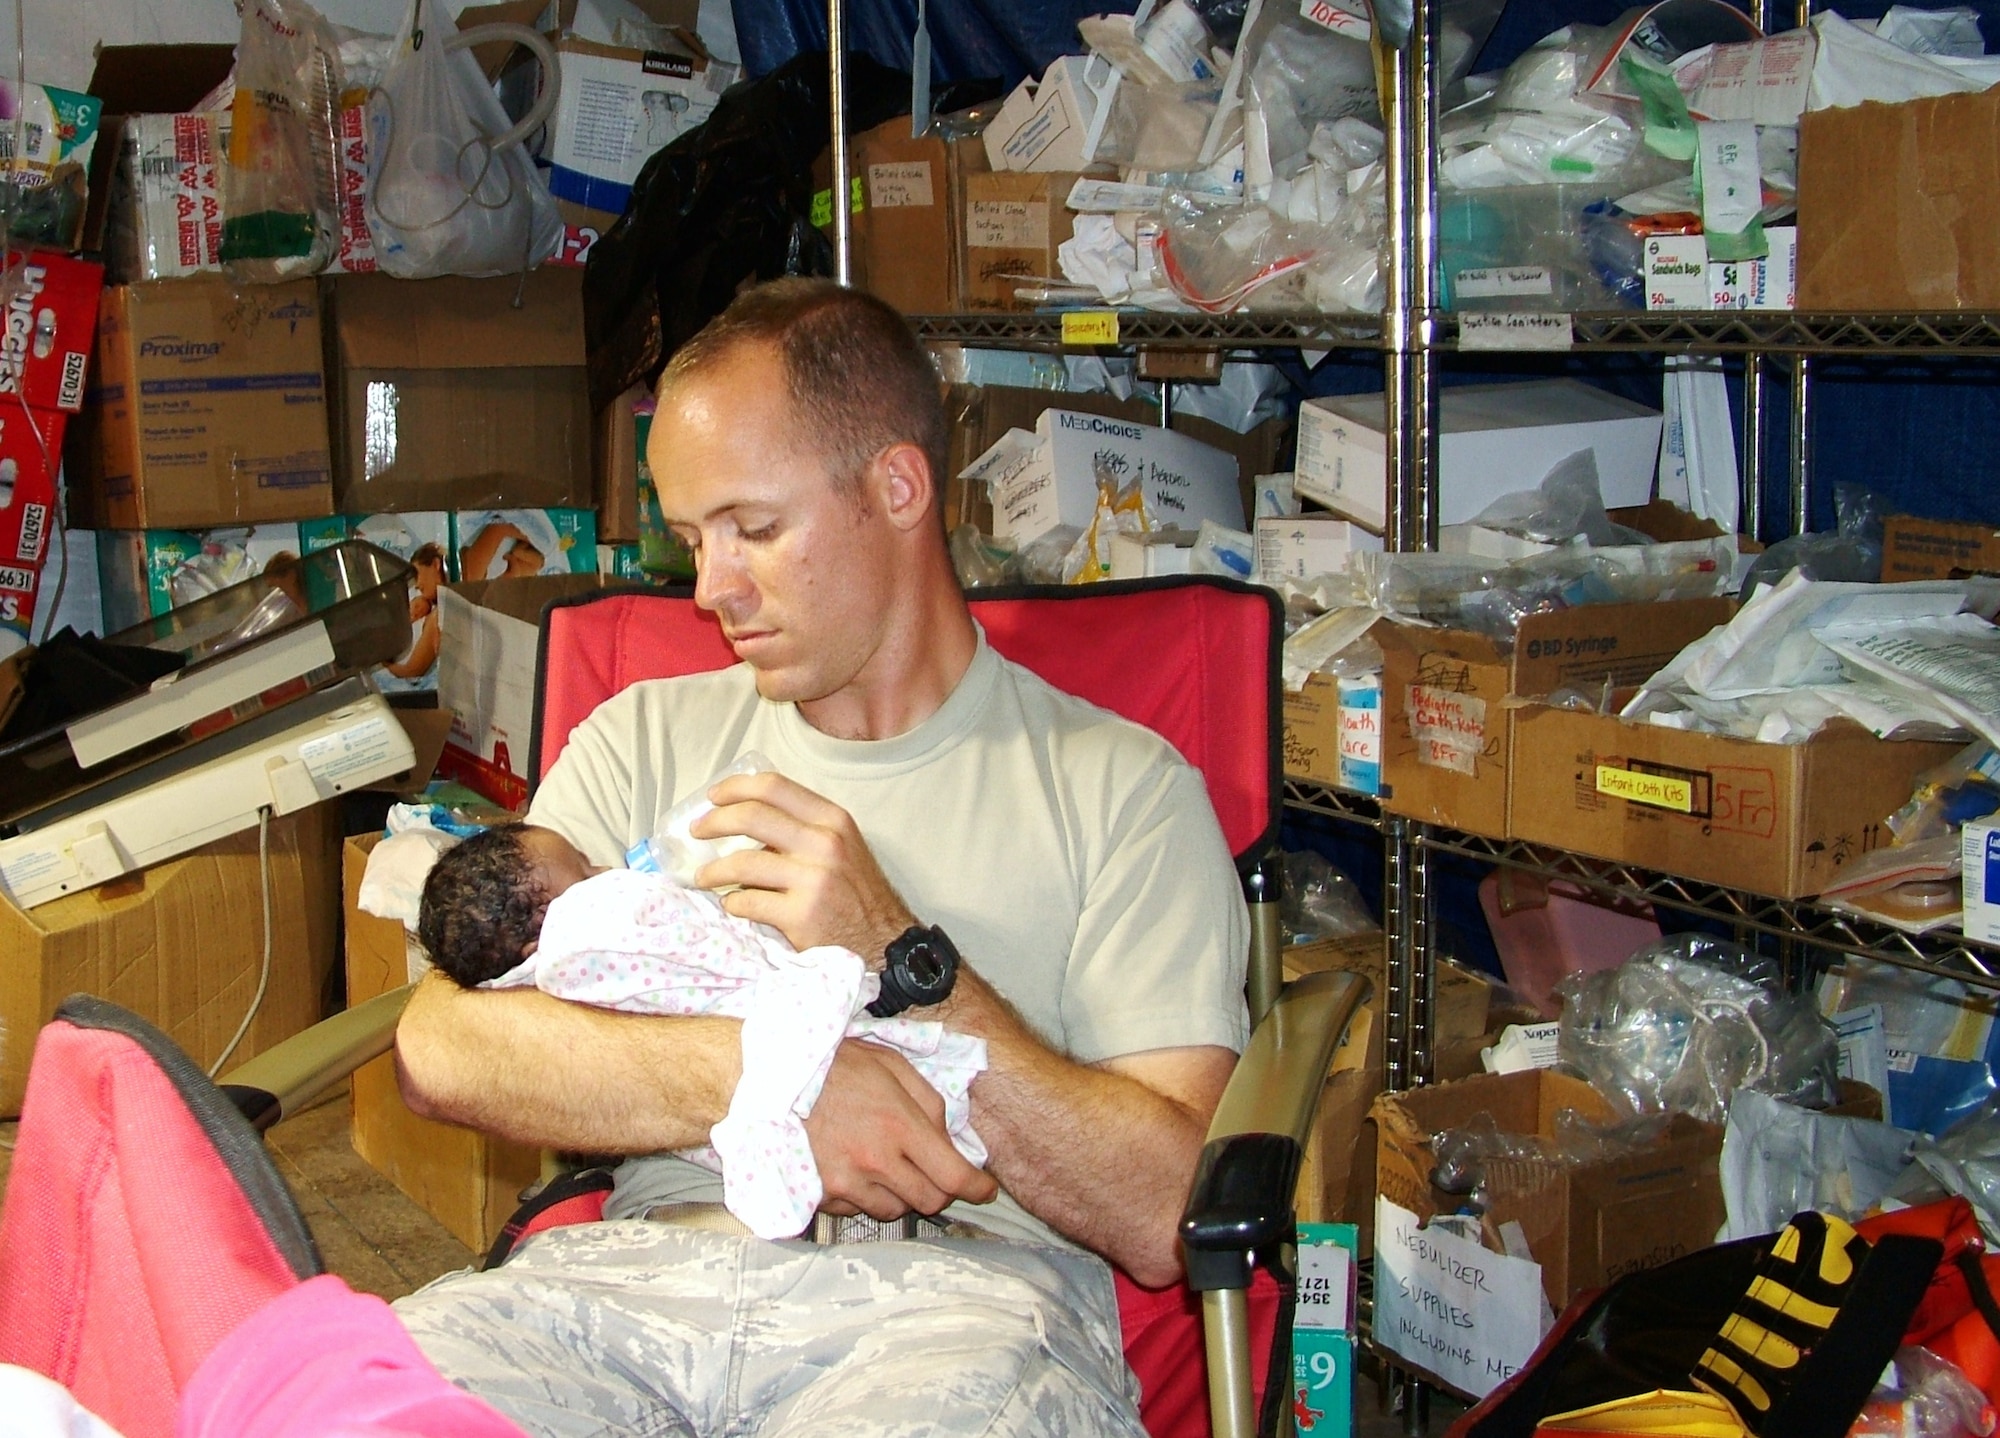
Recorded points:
(1090, 327)
(1658, 790)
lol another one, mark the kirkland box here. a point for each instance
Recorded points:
(448, 396)
(1778, 819)
(1448, 697)
(467, 1181)
(1492, 440)
(211, 408)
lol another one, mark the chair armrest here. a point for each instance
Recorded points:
(280, 1081)
(1249, 1169)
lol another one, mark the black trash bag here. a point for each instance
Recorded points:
(728, 203)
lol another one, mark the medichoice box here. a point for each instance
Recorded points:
(1493, 440)
(1778, 819)
(1980, 855)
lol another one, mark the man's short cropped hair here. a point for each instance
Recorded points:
(858, 377)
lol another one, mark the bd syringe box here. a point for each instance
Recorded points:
(1979, 857)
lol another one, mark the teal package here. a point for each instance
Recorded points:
(1323, 1331)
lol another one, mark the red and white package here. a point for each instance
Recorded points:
(27, 504)
(51, 321)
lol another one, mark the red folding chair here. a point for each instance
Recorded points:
(1197, 661)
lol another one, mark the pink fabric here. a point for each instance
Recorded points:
(323, 1361)
(127, 1250)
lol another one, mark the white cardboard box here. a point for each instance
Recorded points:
(1493, 440)
(1305, 546)
(1050, 478)
(1979, 856)
(1043, 125)
(618, 108)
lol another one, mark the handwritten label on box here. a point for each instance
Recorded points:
(1661, 791)
(901, 186)
(1006, 224)
(1451, 1306)
(1515, 330)
(1449, 727)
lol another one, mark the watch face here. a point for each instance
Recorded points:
(926, 968)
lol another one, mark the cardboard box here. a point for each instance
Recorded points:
(1492, 440)
(467, 1181)
(1012, 225)
(1312, 731)
(1899, 205)
(905, 223)
(30, 452)
(1306, 546)
(486, 676)
(144, 573)
(1586, 1225)
(449, 397)
(1337, 1180)
(181, 945)
(1914, 548)
(1448, 698)
(1051, 478)
(617, 459)
(143, 80)
(50, 327)
(1778, 819)
(211, 408)
(1044, 125)
(620, 106)
(1979, 854)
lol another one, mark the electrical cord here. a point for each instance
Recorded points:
(264, 972)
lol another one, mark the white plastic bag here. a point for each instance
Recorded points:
(451, 190)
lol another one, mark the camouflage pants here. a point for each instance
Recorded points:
(651, 1329)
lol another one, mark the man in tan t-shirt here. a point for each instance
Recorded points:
(924, 785)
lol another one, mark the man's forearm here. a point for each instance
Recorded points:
(539, 1070)
(1098, 1155)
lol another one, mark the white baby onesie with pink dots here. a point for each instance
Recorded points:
(643, 944)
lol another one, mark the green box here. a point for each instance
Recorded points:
(662, 555)
(1323, 1331)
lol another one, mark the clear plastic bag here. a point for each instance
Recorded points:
(1473, 1156)
(280, 197)
(1853, 552)
(1686, 1021)
(982, 562)
(451, 189)
(1320, 902)
(1930, 1397)
(1218, 253)
(1567, 505)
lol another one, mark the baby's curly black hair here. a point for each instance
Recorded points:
(482, 906)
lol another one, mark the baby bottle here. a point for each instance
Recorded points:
(675, 852)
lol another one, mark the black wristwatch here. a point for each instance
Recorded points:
(919, 968)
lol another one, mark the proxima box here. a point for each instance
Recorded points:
(1585, 1225)
(1778, 819)
(1449, 697)
(181, 945)
(469, 1182)
(1493, 439)
(1899, 205)
(210, 407)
